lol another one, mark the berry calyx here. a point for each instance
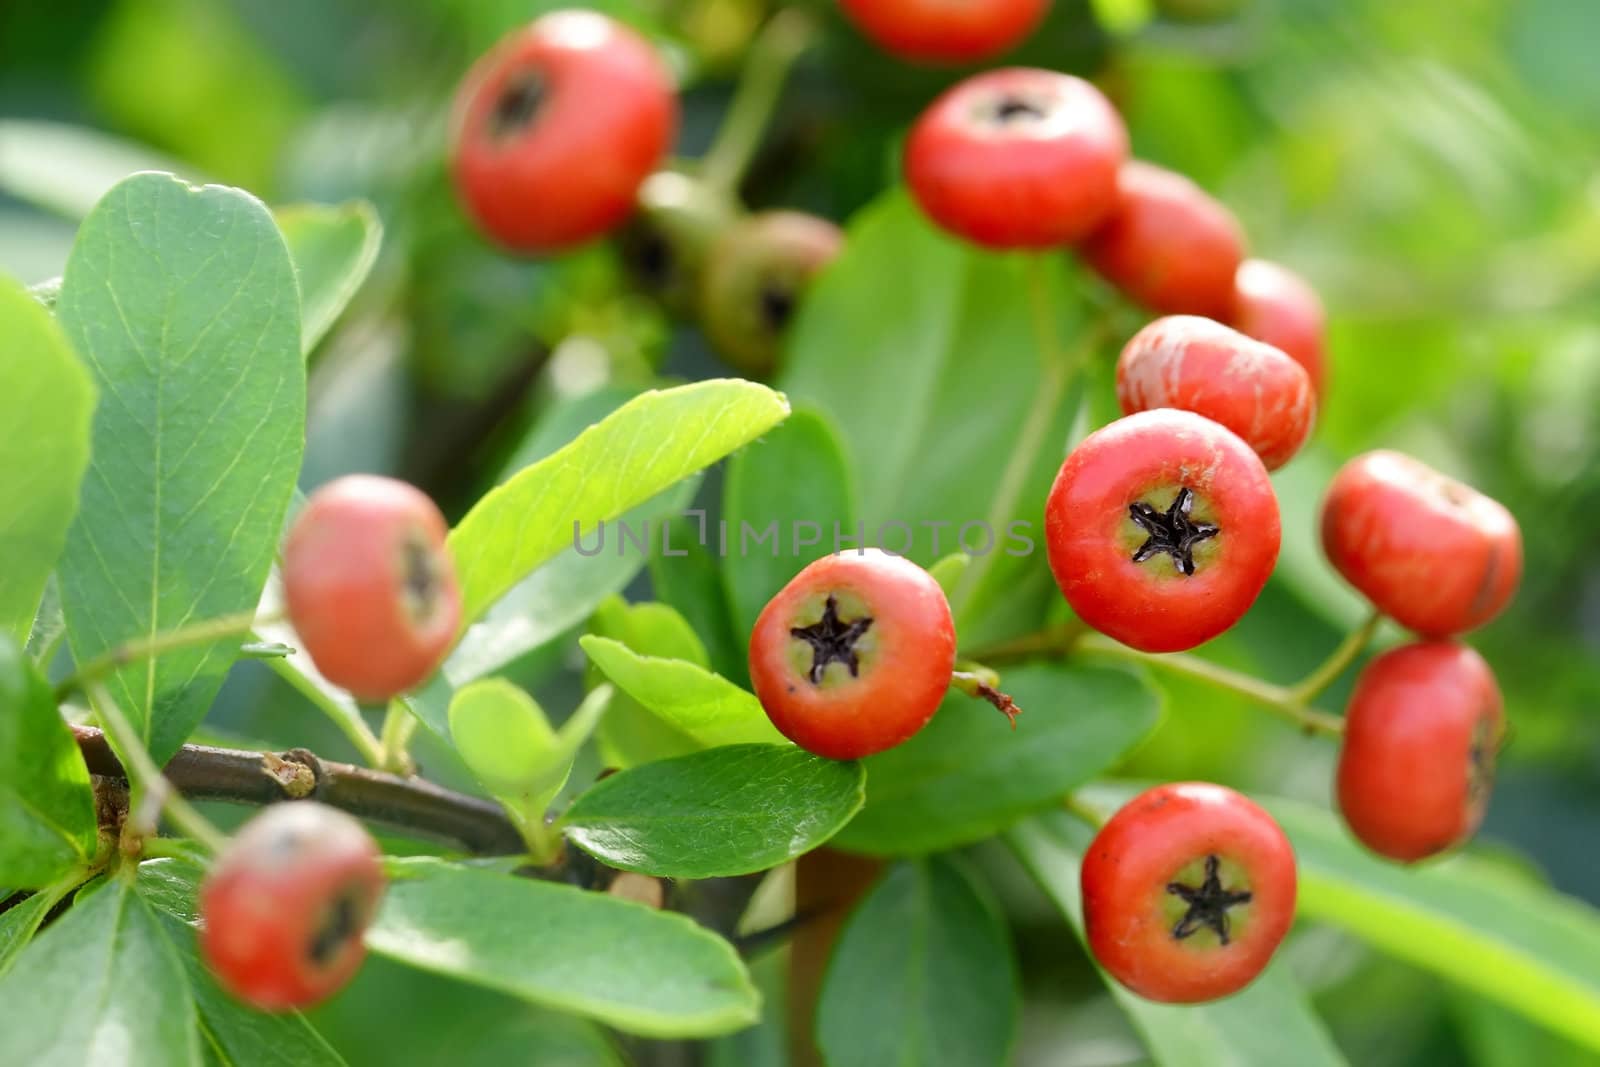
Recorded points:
(1162, 529)
(1017, 158)
(1187, 892)
(933, 31)
(1275, 305)
(854, 655)
(284, 908)
(1167, 244)
(756, 276)
(370, 588)
(1432, 553)
(1421, 734)
(1258, 392)
(556, 127)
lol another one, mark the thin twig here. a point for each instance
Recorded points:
(781, 41)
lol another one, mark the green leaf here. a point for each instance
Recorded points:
(44, 449)
(922, 350)
(67, 169)
(183, 303)
(333, 247)
(234, 1034)
(923, 974)
(966, 775)
(101, 986)
(631, 734)
(948, 571)
(21, 921)
(1503, 937)
(703, 706)
(639, 970)
(692, 584)
(1268, 1024)
(647, 445)
(796, 481)
(731, 810)
(47, 821)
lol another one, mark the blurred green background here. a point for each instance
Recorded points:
(1432, 166)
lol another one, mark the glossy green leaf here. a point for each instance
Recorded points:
(967, 775)
(703, 706)
(101, 986)
(182, 301)
(1268, 1024)
(47, 821)
(692, 584)
(631, 734)
(731, 810)
(1504, 937)
(923, 973)
(922, 350)
(44, 449)
(636, 969)
(20, 922)
(647, 445)
(334, 247)
(795, 482)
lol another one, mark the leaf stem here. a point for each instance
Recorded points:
(1352, 646)
(119, 656)
(399, 724)
(777, 46)
(1058, 369)
(1278, 699)
(147, 776)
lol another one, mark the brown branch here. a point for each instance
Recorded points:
(243, 777)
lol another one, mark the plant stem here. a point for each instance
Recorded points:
(781, 41)
(128, 652)
(238, 776)
(1352, 646)
(1057, 640)
(1057, 372)
(148, 777)
(1276, 698)
(398, 727)
(1083, 812)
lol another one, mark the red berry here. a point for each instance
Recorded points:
(555, 129)
(1183, 361)
(1420, 739)
(1273, 304)
(755, 277)
(1017, 158)
(1162, 528)
(1436, 556)
(1187, 892)
(370, 587)
(284, 909)
(854, 655)
(936, 31)
(1168, 245)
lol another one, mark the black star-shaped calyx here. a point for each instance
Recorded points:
(832, 640)
(1208, 904)
(1172, 531)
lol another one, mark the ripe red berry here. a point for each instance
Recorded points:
(755, 277)
(1187, 892)
(1162, 528)
(1168, 245)
(1017, 158)
(1421, 734)
(1273, 304)
(555, 129)
(1184, 361)
(935, 31)
(284, 909)
(369, 586)
(1435, 555)
(854, 655)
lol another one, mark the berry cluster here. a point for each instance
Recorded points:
(558, 138)
(1162, 529)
